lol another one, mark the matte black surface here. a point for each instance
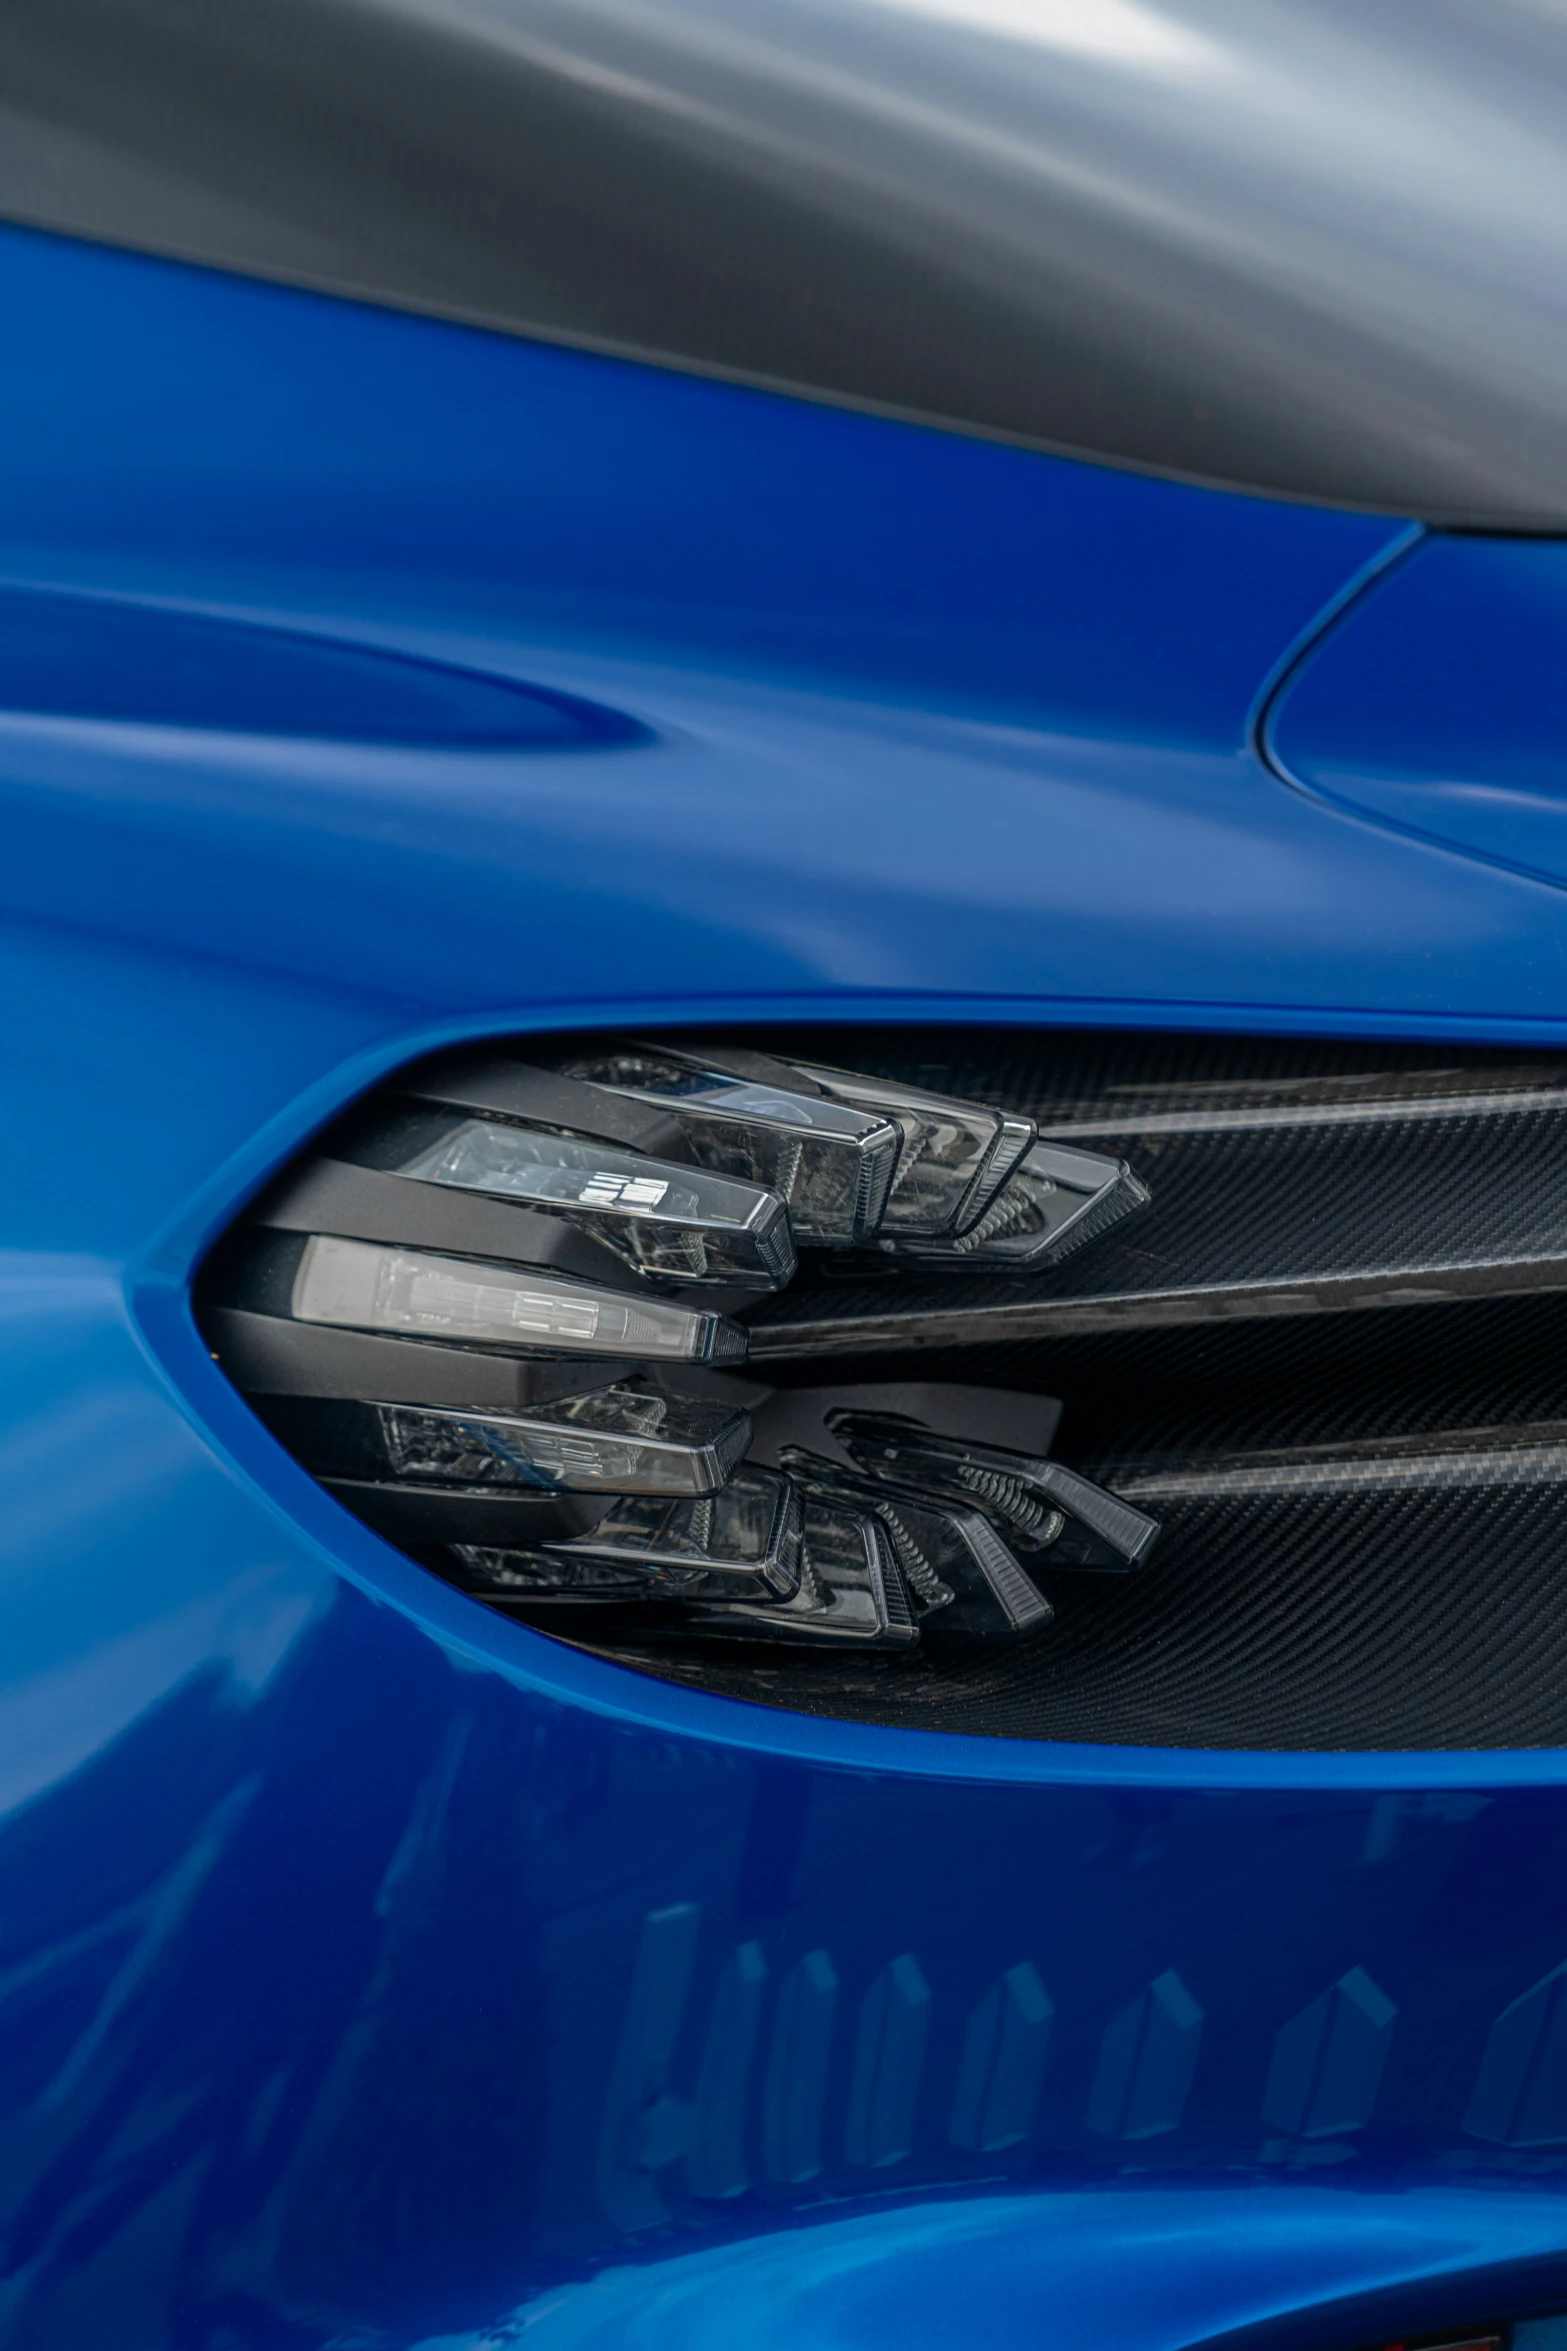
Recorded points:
(1313, 248)
(1023, 1422)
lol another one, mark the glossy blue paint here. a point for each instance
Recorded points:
(929, 715)
(371, 1968)
(1120, 2269)
(1439, 705)
(103, 658)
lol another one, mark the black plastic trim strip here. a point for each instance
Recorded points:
(516, 1090)
(364, 1204)
(447, 1514)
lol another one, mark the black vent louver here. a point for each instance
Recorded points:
(735, 1359)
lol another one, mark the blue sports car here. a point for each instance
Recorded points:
(783, 1203)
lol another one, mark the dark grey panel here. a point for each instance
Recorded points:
(1310, 246)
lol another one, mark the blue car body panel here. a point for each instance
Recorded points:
(1439, 703)
(373, 1970)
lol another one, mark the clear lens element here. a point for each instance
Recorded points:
(831, 1162)
(683, 1224)
(743, 1543)
(851, 1591)
(1057, 1200)
(542, 1575)
(964, 1581)
(1037, 1505)
(612, 1440)
(370, 1286)
(954, 1155)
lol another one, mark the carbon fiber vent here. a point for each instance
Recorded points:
(502, 1310)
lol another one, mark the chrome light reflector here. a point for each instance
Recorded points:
(683, 1224)
(373, 1286)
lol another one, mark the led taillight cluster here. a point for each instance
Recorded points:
(500, 1310)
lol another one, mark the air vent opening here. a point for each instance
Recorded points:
(1147, 1390)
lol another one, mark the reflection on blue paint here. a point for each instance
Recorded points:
(889, 2057)
(1541, 2334)
(99, 659)
(1146, 2062)
(644, 2126)
(719, 2166)
(1124, 2271)
(1440, 703)
(1520, 2097)
(797, 2075)
(1004, 2052)
(1327, 2061)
